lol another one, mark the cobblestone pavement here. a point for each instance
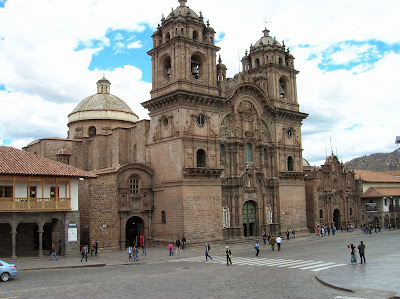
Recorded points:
(378, 278)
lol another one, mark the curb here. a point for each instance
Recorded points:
(333, 286)
(64, 267)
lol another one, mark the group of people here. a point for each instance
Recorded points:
(85, 250)
(180, 244)
(228, 253)
(353, 253)
(288, 234)
(134, 251)
(272, 240)
(325, 231)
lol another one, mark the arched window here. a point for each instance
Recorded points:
(196, 66)
(92, 131)
(133, 186)
(247, 149)
(282, 87)
(167, 68)
(163, 217)
(222, 151)
(290, 163)
(257, 62)
(201, 158)
(351, 211)
(195, 35)
(321, 214)
(167, 37)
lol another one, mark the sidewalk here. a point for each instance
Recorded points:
(361, 279)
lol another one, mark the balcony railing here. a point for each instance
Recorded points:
(393, 208)
(34, 204)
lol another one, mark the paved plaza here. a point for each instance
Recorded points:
(304, 263)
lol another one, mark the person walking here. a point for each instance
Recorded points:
(278, 242)
(264, 235)
(129, 252)
(183, 242)
(272, 242)
(228, 254)
(361, 251)
(53, 252)
(96, 246)
(59, 248)
(287, 234)
(207, 252)
(178, 245)
(322, 232)
(171, 248)
(293, 234)
(135, 252)
(257, 247)
(84, 252)
(144, 252)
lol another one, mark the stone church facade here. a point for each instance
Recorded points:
(220, 158)
(333, 195)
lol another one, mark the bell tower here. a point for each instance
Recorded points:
(183, 54)
(268, 56)
(185, 109)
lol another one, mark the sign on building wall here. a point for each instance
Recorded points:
(370, 207)
(72, 232)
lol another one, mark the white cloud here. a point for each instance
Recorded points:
(135, 45)
(46, 77)
(351, 53)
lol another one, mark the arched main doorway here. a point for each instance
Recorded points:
(386, 220)
(134, 227)
(336, 218)
(249, 219)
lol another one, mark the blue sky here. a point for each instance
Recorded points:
(364, 53)
(348, 62)
(124, 47)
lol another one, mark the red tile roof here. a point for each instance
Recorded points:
(370, 176)
(380, 192)
(16, 162)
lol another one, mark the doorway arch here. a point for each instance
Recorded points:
(337, 218)
(249, 219)
(134, 227)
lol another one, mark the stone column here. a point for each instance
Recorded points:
(40, 231)
(13, 242)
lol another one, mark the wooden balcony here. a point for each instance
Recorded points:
(34, 204)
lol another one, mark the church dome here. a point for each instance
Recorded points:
(102, 105)
(266, 40)
(182, 10)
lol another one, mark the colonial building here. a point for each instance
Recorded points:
(220, 158)
(38, 204)
(333, 196)
(380, 198)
